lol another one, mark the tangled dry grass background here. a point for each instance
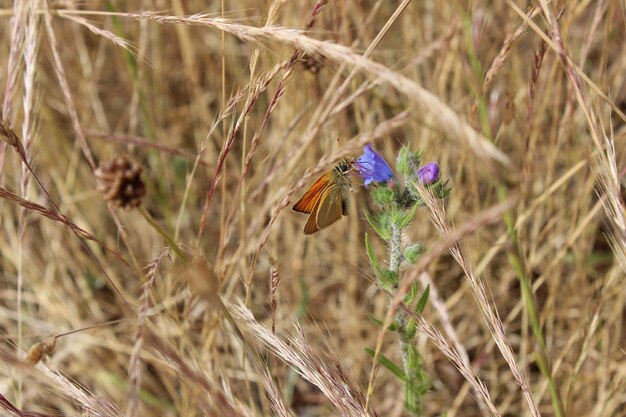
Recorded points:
(232, 111)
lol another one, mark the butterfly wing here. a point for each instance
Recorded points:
(330, 207)
(313, 223)
(309, 200)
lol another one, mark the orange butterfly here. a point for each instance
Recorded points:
(326, 200)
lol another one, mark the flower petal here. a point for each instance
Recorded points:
(373, 167)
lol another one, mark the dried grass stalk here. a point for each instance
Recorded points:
(325, 372)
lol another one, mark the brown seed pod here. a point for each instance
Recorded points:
(40, 349)
(119, 180)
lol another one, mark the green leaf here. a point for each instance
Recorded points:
(382, 195)
(410, 297)
(407, 217)
(387, 279)
(403, 161)
(388, 363)
(440, 190)
(421, 303)
(413, 252)
(371, 256)
(411, 329)
(379, 224)
(392, 327)
(417, 381)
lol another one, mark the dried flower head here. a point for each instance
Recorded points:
(119, 180)
(40, 349)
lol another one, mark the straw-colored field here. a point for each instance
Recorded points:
(203, 297)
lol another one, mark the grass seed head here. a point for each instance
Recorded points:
(7, 134)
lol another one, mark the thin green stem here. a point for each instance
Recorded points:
(131, 63)
(168, 239)
(516, 260)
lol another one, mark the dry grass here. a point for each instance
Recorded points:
(230, 121)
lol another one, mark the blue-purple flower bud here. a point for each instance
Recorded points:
(429, 173)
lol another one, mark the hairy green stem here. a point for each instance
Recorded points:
(411, 360)
(395, 250)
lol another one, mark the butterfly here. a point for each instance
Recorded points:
(326, 200)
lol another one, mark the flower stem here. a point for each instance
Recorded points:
(411, 360)
(395, 252)
(168, 239)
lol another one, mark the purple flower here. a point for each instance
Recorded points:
(373, 167)
(429, 173)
